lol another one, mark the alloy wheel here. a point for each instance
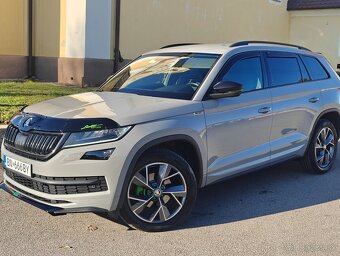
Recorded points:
(324, 148)
(157, 192)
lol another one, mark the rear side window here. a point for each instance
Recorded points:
(314, 68)
(284, 70)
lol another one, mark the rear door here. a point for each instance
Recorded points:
(296, 101)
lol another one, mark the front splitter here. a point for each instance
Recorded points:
(46, 207)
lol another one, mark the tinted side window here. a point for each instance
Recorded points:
(314, 67)
(247, 72)
(284, 70)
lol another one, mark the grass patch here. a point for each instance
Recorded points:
(13, 96)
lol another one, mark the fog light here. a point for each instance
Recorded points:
(98, 155)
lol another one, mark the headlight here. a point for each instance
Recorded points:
(87, 138)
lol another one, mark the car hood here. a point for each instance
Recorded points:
(123, 108)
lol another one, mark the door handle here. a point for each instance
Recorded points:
(265, 110)
(314, 100)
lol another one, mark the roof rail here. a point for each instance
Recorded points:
(175, 45)
(242, 43)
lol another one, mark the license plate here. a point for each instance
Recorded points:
(18, 166)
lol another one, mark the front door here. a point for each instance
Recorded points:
(238, 129)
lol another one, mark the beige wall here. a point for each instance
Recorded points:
(318, 30)
(149, 24)
(62, 27)
(13, 28)
(46, 28)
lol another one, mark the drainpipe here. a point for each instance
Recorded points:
(117, 56)
(30, 63)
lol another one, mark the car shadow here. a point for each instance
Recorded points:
(280, 188)
(271, 190)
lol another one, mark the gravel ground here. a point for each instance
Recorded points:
(275, 211)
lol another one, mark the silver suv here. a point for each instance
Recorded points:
(173, 121)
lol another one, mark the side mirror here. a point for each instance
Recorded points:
(226, 89)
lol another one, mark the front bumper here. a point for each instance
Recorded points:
(45, 207)
(57, 198)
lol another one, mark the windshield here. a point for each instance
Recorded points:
(175, 76)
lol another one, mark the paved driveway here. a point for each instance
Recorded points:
(276, 211)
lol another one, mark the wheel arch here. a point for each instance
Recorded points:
(332, 115)
(168, 142)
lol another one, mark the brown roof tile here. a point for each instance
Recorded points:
(312, 4)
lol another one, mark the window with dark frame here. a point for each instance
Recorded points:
(314, 68)
(247, 72)
(284, 71)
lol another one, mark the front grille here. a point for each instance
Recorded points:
(32, 145)
(62, 185)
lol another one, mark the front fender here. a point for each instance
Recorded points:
(190, 128)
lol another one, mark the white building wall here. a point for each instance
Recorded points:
(98, 29)
(75, 29)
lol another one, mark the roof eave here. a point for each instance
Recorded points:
(312, 8)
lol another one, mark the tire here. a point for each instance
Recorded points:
(321, 154)
(163, 200)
